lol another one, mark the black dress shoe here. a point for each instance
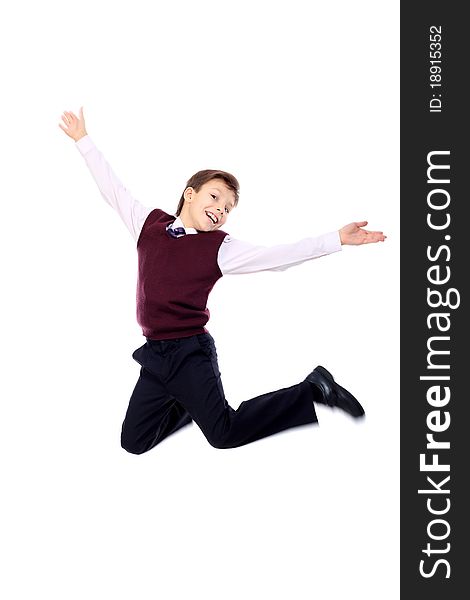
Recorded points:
(333, 394)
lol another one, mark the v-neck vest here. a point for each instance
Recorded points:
(175, 277)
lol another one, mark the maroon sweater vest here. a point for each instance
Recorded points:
(175, 277)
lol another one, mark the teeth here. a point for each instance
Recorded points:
(212, 217)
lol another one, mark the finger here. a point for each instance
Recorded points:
(361, 223)
(64, 129)
(372, 232)
(374, 237)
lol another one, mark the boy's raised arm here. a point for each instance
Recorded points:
(237, 257)
(131, 211)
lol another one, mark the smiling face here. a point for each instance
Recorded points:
(209, 208)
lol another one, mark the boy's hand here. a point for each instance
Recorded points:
(353, 235)
(74, 126)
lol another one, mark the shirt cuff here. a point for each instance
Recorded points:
(332, 242)
(84, 144)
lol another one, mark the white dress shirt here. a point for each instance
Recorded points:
(235, 256)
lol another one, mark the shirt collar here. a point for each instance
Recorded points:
(179, 223)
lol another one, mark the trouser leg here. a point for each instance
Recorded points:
(152, 414)
(194, 379)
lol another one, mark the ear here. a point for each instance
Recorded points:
(188, 192)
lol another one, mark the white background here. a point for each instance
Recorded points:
(299, 100)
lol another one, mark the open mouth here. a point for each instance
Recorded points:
(212, 217)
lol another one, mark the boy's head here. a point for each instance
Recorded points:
(208, 198)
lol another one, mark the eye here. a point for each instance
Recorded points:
(227, 210)
(213, 195)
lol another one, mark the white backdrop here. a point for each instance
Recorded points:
(299, 100)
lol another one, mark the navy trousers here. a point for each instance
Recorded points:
(180, 381)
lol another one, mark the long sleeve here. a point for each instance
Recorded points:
(237, 257)
(131, 211)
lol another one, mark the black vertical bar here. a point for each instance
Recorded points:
(434, 260)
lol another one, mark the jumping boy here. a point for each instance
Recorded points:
(180, 258)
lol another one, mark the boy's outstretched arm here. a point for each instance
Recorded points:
(354, 235)
(239, 257)
(131, 211)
